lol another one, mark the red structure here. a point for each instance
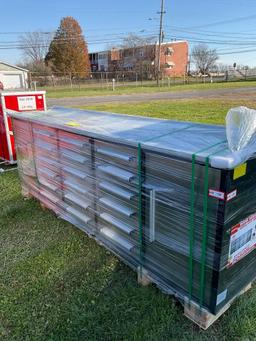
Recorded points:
(17, 101)
(144, 59)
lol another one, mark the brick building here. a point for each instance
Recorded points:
(174, 58)
(144, 59)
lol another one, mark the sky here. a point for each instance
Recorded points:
(227, 25)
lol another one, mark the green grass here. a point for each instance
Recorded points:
(98, 91)
(58, 284)
(204, 111)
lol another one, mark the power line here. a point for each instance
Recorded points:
(21, 45)
(223, 22)
(212, 33)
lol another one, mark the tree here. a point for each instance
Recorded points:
(223, 67)
(35, 46)
(204, 58)
(68, 53)
(133, 40)
(39, 68)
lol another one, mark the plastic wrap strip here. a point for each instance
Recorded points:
(192, 226)
(204, 237)
(192, 216)
(205, 222)
(166, 134)
(140, 218)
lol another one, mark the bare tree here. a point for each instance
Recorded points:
(35, 46)
(204, 58)
(133, 40)
(223, 67)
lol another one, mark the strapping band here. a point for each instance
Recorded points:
(205, 221)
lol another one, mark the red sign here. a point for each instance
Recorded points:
(17, 101)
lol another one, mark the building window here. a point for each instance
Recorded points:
(169, 51)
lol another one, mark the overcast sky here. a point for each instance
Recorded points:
(229, 26)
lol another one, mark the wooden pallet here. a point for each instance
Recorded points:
(202, 317)
(143, 277)
(25, 193)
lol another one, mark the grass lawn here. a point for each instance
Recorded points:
(58, 284)
(204, 111)
(98, 91)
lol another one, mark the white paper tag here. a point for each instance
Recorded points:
(231, 195)
(222, 296)
(26, 103)
(216, 194)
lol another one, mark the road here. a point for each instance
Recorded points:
(236, 93)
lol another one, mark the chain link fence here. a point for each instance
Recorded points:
(112, 80)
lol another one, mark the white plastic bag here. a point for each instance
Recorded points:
(241, 129)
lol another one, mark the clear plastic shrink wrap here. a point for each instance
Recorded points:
(163, 195)
(241, 128)
(241, 132)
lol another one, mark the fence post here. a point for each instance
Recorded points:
(34, 83)
(113, 84)
(226, 76)
(29, 80)
(101, 78)
(70, 79)
(107, 79)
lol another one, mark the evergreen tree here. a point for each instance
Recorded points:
(68, 52)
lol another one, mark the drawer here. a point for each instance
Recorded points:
(115, 154)
(78, 161)
(74, 142)
(77, 201)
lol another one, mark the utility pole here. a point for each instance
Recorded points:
(162, 12)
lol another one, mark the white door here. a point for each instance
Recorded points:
(12, 81)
